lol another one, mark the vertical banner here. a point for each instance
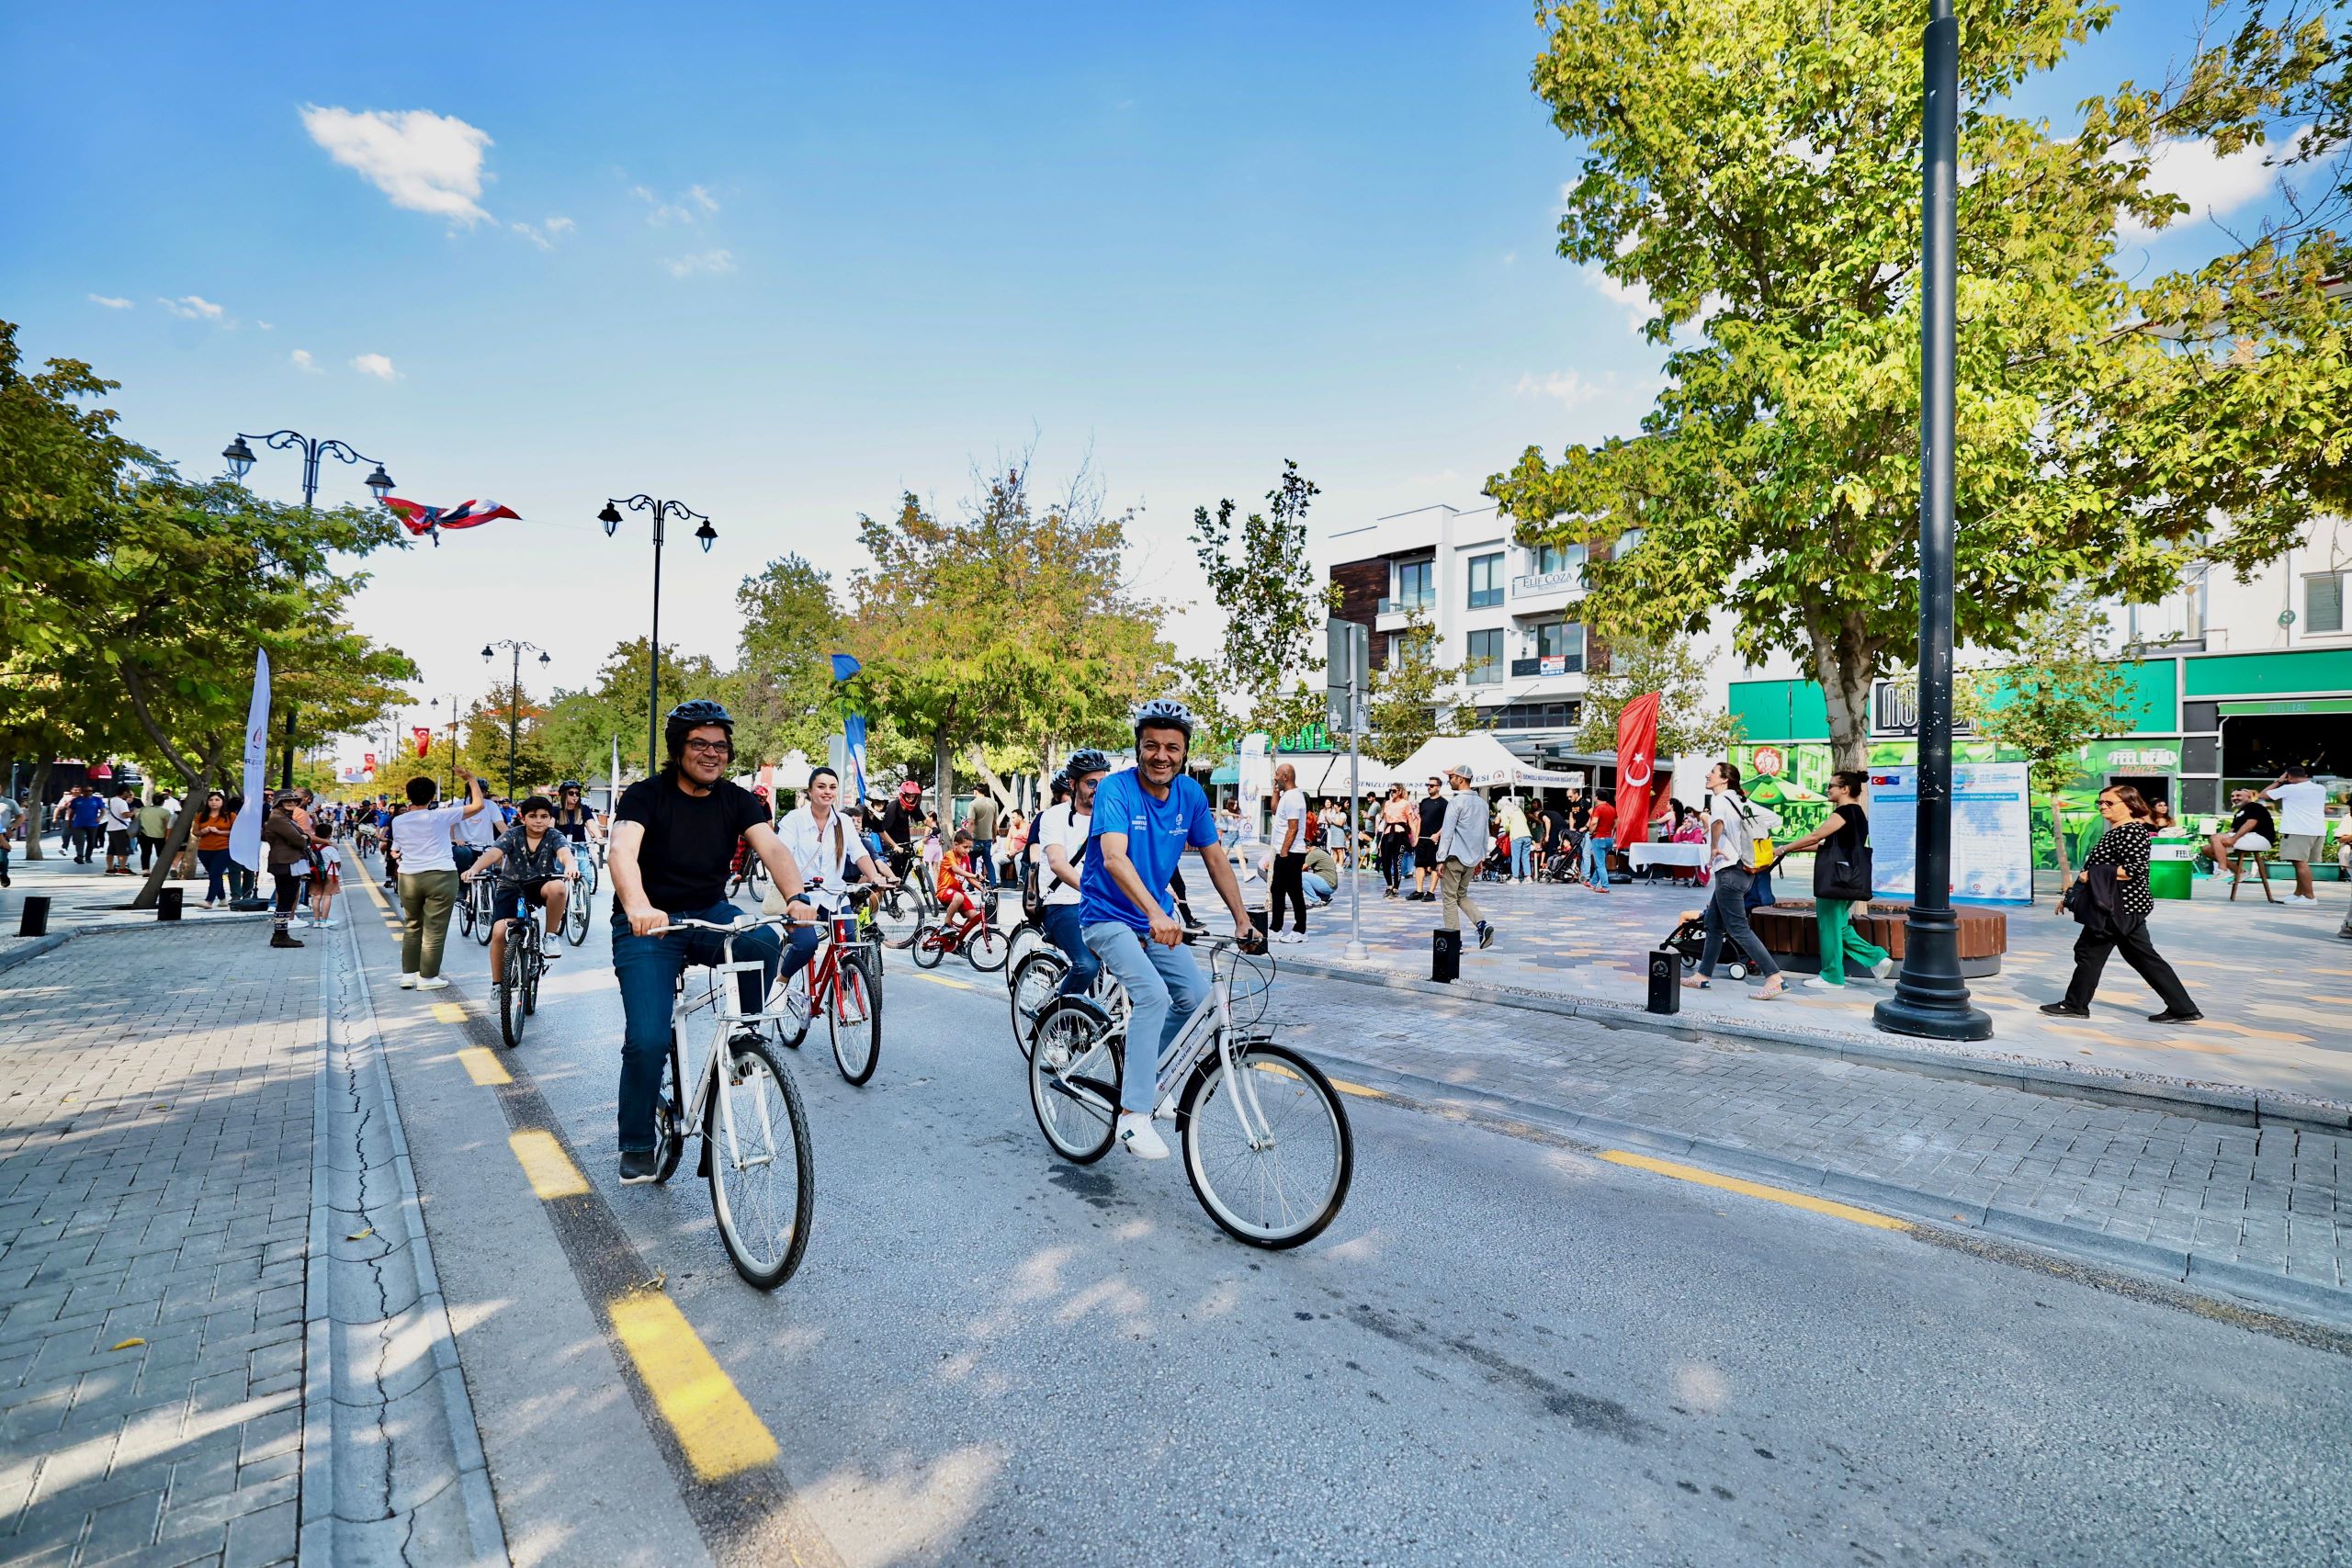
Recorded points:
(245, 834)
(424, 736)
(1636, 766)
(368, 764)
(854, 731)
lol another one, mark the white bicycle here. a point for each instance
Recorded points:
(1036, 982)
(746, 1110)
(1266, 1140)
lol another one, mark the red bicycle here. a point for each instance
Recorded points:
(843, 981)
(974, 935)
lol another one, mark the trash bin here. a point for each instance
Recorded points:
(1445, 956)
(167, 902)
(1665, 980)
(2170, 864)
(35, 920)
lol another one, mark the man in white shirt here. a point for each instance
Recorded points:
(1461, 844)
(1289, 833)
(475, 832)
(1059, 838)
(2302, 826)
(118, 815)
(421, 836)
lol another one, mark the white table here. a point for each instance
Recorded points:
(1640, 855)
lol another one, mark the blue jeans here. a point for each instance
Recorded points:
(1596, 859)
(1060, 921)
(1163, 987)
(648, 968)
(216, 872)
(1522, 852)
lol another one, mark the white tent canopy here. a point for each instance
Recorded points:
(1490, 763)
(1327, 776)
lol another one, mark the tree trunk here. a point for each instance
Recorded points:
(190, 804)
(36, 812)
(943, 781)
(1845, 668)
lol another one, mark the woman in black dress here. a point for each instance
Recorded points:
(2114, 912)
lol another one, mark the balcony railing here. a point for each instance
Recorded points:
(1547, 581)
(1406, 605)
(1547, 664)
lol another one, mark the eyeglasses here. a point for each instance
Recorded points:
(712, 747)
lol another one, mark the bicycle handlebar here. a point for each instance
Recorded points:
(751, 922)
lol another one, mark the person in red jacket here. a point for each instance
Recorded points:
(1597, 845)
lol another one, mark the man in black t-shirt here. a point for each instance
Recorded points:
(1429, 817)
(2251, 831)
(674, 838)
(901, 826)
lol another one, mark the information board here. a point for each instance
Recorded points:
(1992, 852)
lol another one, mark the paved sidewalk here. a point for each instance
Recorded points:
(2275, 982)
(2264, 1212)
(82, 898)
(155, 1173)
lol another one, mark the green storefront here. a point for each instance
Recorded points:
(2203, 724)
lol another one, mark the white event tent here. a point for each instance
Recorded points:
(1491, 764)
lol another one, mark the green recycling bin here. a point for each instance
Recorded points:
(2171, 858)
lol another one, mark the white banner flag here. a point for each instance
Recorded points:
(244, 835)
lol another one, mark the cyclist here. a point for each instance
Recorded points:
(1143, 820)
(572, 817)
(953, 881)
(824, 843)
(532, 861)
(1060, 835)
(901, 822)
(672, 839)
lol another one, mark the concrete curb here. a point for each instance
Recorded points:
(2284, 1294)
(2244, 1107)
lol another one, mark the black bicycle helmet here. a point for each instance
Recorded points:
(692, 716)
(1164, 713)
(568, 783)
(1089, 760)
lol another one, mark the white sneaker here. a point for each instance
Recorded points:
(1139, 1138)
(408, 982)
(1818, 984)
(438, 983)
(2299, 899)
(325, 925)
(1288, 937)
(1882, 969)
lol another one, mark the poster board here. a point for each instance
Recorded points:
(1992, 852)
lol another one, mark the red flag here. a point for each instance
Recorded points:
(367, 761)
(1636, 764)
(423, 739)
(422, 519)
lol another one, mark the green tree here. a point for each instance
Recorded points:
(1686, 725)
(782, 688)
(1258, 572)
(581, 727)
(484, 737)
(1403, 700)
(1753, 166)
(60, 461)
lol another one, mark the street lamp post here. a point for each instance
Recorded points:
(240, 460)
(611, 518)
(435, 705)
(1930, 998)
(514, 696)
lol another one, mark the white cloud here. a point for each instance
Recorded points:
(558, 226)
(110, 301)
(187, 307)
(1631, 298)
(2214, 185)
(709, 262)
(544, 234)
(376, 364)
(300, 359)
(424, 161)
(1572, 389)
(661, 211)
(703, 198)
(266, 326)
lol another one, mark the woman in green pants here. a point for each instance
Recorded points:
(1844, 836)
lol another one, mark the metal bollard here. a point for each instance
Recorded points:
(1665, 980)
(1445, 956)
(35, 920)
(167, 903)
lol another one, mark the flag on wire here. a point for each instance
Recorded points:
(423, 519)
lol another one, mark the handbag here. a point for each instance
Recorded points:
(1842, 873)
(1759, 849)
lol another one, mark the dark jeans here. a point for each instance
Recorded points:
(648, 968)
(1289, 872)
(242, 880)
(2091, 949)
(291, 884)
(1391, 858)
(1060, 921)
(148, 850)
(216, 872)
(1726, 918)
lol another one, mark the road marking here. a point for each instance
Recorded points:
(943, 980)
(1754, 1189)
(715, 1425)
(483, 1067)
(550, 1169)
(1359, 1090)
(448, 1012)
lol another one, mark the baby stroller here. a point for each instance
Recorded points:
(1566, 862)
(1690, 941)
(1495, 867)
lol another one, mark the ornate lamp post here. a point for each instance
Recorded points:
(662, 510)
(514, 696)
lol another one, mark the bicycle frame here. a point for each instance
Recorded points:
(720, 996)
(1210, 1027)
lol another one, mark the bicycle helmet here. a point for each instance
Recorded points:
(1089, 760)
(568, 783)
(1164, 713)
(690, 716)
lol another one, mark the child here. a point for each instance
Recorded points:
(956, 871)
(323, 886)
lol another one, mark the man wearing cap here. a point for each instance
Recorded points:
(1460, 849)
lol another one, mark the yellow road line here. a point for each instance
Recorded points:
(943, 980)
(448, 1012)
(550, 1169)
(714, 1424)
(1754, 1190)
(1359, 1090)
(483, 1067)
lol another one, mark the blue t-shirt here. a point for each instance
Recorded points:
(1157, 834)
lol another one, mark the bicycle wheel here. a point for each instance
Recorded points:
(855, 1019)
(466, 911)
(1285, 1190)
(1074, 1079)
(482, 921)
(575, 915)
(1026, 940)
(986, 947)
(898, 915)
(535, 965)
(669, 1118)
(763, 1176)
(928, 951)
(1034, 981)
(790, 1031)
(511, 1010)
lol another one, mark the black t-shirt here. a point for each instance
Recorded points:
(1579, 815)
(898, 825)
(689, 840)
(1853, 831)
(1432, 810)
(2256, 815)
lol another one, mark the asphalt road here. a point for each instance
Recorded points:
(1505, 1348)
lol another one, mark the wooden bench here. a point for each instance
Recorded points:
(1792, 935)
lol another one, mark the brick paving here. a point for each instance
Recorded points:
(2263, 1209)
(155, 1179)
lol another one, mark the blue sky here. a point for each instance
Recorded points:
(784, 266)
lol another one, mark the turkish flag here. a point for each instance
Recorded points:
(367, 761)
(423, 739)
(1636, 764)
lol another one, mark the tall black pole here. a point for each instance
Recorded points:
(654, 657)
(285, 772)
(514, 717)
(1930, 999)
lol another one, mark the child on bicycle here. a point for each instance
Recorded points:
(954, 879)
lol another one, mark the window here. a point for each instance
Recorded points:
(2324, 601)
(1561, 639)
(1486, 663)
(1485, 580)
(1545, 559)
(1536, 715)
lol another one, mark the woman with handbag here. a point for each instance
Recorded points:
(1736, 853)
(1841, 877)
(2111, 898)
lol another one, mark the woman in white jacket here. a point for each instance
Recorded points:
(1733, 824)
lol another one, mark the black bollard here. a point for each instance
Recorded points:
(1445, 956)
(167, 903)
(35, 920)
(1665, 980)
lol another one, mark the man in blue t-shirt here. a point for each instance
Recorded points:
(1144, 820)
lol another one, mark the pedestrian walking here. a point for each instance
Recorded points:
(119, 816)
(326, 881)
(2112, 901)
(84, 823)
(2302, 826)
(154, 825)
(1429, 817)
(423, 835)
(982, 822)
(1396, 839)
(1841, 877)
(1598, 840)
(289, 844)
(11, 814)
(1512, 820)
(1460, 848)
(1289, 833)
(1733, 825)
(210, 831)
